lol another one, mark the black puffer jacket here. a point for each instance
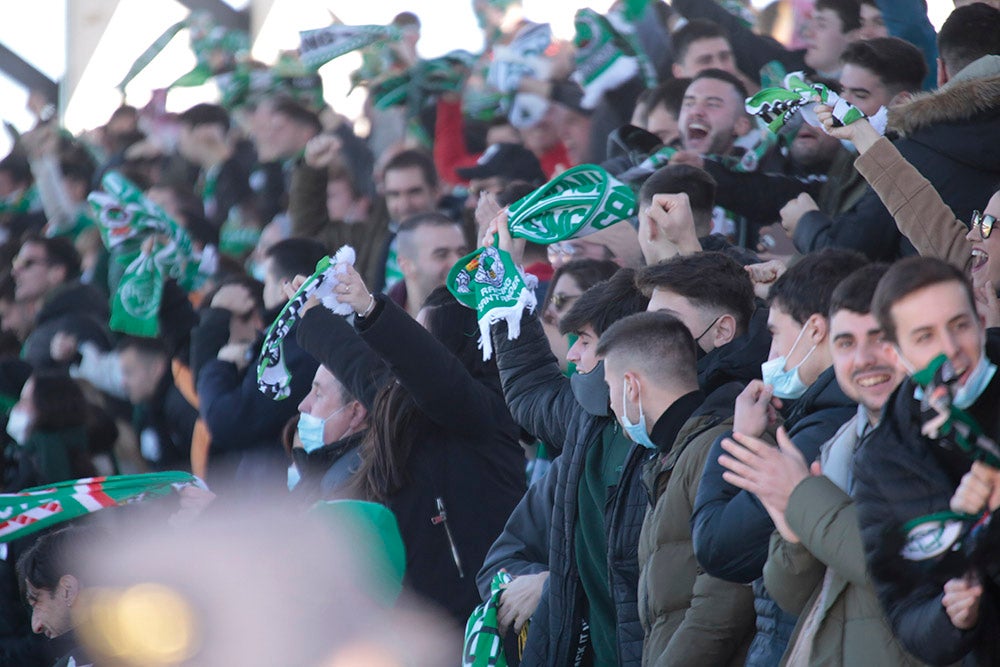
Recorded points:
(901, 475)
(732, 530)
(541, 400)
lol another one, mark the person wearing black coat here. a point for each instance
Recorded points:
(906, 475)
(464, 471)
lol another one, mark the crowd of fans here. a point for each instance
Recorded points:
(755, 423)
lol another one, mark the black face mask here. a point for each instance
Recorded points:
(698, 351)
(591, 391)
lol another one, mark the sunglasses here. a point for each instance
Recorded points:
(25, 264)
(560, 301)
(984, 223)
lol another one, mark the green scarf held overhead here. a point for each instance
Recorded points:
(135, 305)
(607, 55)
(577, 202)
(127, 221)
(216, 49)
(40, 507)
(273, 377)
(320, 46)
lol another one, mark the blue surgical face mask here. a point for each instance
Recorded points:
(293, 476)
(310, 429)
(785, 384)
(974, 387)
(637, 431)
(966, 395)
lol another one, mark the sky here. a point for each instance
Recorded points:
(37, 31)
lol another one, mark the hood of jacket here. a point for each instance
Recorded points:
(954, 120)
(738, 360)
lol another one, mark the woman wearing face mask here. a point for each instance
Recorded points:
(442, 451)
(326, 443)
(48, 424)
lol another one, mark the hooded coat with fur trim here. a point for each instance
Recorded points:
(952, 137)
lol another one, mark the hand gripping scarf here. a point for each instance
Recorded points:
(40, 507)
(578, 202)
(273, 377)
(141, 236)
(933, 540)
(776, 106)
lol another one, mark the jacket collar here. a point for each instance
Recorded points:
(963, 99)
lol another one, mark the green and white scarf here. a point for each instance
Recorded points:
(776, 106)
(40, 507)
(577, 202)
(216, 49)
(483, 640)
(127, 219)
(273, 377)
(607, 55)
(320, 46)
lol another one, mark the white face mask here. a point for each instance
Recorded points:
(17, 425)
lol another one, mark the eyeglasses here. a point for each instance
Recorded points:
(984, 223)
(560, 301)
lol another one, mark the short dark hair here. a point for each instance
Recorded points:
(53, 556)
(669, 94)
(723, 75)
(59, 251)
(148, 347)
(696, 183)
(908, 276)
(707, 279)
(404, 237)
(297, 113)
(413, 158)
(692, 31)
(658, 343)
(805, 288)
(16, 164)
(205, 114)
(59, 402)
(605, 303)
(969, 33)
(899, 65)
(855, 292)
(295, 257)
(849, 12)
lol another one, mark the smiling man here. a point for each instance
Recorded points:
(712, 113)
(907, 473)
(837, 623)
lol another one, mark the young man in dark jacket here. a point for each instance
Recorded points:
(650, 371)
(588, 604)
(731, 529)
(936, 580)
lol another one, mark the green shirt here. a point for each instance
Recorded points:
(601, 473)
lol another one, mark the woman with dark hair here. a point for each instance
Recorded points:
(49, 424)
(442, 451)
(568, 282)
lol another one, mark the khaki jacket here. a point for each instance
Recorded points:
(852, 627)
(689, 617)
